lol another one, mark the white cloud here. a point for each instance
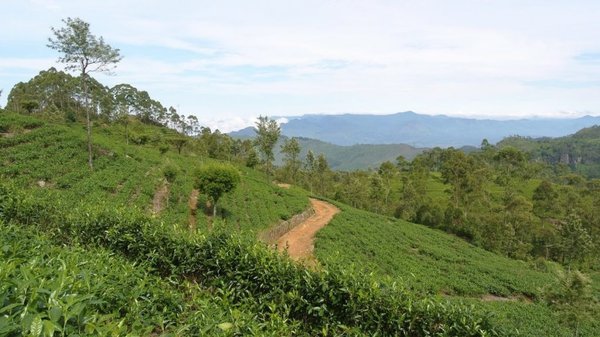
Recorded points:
(229, 124)
(239, 59)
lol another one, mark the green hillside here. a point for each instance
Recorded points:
(579, 151)
(44, 156)
(351, 157)
(430, 261)
(360, 156)
(86, 222)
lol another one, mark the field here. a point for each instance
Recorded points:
(432, 262)
(59, 221)
(52, 158)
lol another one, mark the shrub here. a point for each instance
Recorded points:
(170, 172)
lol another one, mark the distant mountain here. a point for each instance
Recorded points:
(422, 130)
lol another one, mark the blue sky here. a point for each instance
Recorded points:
(229, 61)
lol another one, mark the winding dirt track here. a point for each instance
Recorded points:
(299, 241)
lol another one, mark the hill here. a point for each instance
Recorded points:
(133, 211)
(580, 151)
(342, 157)
(429, 261)
(347, 158)
(422, 130)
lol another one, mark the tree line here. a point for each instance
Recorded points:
(496, 198)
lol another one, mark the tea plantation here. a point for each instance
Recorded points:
(90, 253)
(435, 263)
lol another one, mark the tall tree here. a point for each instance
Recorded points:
(545, 200)
(310, 168)
(322, 172)
(267, 134)
(576, 241)
(291, 150)
(83, 52)
(387, 171)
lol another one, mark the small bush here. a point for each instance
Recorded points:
(170, 172)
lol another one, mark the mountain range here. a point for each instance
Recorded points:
(418, 130)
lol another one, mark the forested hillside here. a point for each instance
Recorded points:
(579, 152)
(136, 204)
(121, 217)
(348, 158)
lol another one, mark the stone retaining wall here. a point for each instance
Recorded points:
(272, 234)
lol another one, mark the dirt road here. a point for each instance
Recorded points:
(300, 240)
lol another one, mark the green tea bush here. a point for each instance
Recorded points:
(10, 121)
(48, 291)
(170, 172)
(251, 273)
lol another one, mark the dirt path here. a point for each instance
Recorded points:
(193, 204)
(160, 198)
(299, 241)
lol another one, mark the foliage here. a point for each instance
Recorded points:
(291, 150)
(251, 273)
(46, 290)
(576, 243)
(571, 295)
(170, 172)
(92, 291)
(256, 292)
(128, 100)
(578, 152)
(431, 262)
(427, 260)
(267, 134)
(494, 198)
(83, 52)
(43, 152)
(216, 180)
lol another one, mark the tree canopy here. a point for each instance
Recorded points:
(83, 52)
(214, 180)
(267, 134)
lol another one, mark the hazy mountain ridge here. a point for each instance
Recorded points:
(420, 130)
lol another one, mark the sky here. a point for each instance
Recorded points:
(229, 61)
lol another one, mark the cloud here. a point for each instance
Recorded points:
(236, 59)
(229, 124)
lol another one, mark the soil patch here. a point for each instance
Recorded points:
(193, 205)
(299, 241)
(160, 198)
(496, 298)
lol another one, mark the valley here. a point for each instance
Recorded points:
(121, 216)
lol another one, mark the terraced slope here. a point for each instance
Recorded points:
(135, 206)
(433, 262)
(51, 157)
